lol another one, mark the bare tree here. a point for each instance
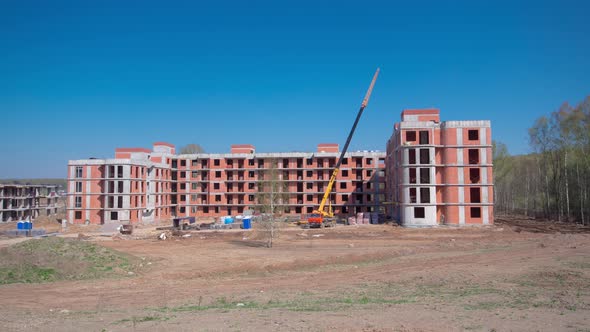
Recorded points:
(191, 149)
(272, 197)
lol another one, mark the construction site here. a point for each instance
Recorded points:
(433, 173)
(401, 240)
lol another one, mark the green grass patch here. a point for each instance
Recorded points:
(53, 259)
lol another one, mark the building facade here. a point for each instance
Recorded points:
(439, 172)
(134, 186)
(146, 185)
(20, 202)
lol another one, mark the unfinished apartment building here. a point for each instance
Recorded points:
(439, 172)
(142, 185)
(21, 202)
(134, 186)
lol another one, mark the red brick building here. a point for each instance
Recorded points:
(144, 185)
(439, 172)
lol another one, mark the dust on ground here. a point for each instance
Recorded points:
(519, 274)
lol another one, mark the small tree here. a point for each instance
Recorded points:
(272, 197)
(191, 149)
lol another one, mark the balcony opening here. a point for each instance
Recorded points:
(412, 195)
(475, 194)
(412, 175)
(412, 156)
(473, 156)
(424, 175)
(424, 137)
(424, 156)
(424, 195)
(474, 175)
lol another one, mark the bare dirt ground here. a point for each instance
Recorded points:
(519, 275)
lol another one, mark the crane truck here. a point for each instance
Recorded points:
(324, 217)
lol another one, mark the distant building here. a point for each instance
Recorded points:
(145, 185)
(439, 172)
(24, 201)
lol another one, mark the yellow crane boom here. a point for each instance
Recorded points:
(322, 208)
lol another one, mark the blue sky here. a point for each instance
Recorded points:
(80, 78)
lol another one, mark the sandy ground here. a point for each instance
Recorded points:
(518, 275)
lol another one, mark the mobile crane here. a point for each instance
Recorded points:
(323, 217)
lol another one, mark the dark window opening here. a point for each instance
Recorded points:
(424, 156)
(474, 175)
(424, 175)
(410, 136)
(182, 163)
(424, 195)
(412, 175)
(473, 135)
(424, 137)
(78, 215)
(412, 156)
(419, 212)
(216, 162)
(473, 156)
(114, 215)
(475, 212)
(342, 185)
(412, 195)
(345, 173)
(475, 195)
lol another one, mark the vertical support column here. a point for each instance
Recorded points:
(70, 191)
(87, 192)
(460, 176)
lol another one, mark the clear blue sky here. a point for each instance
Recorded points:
(80, 78)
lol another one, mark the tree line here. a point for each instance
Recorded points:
(552, 182)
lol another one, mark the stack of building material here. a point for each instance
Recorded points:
(352, 220)
(374, 218)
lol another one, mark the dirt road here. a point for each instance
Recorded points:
(372, 278)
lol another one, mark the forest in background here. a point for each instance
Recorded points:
(552, 182)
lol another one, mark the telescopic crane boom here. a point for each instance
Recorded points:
(318, 216)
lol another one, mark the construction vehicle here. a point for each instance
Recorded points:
(323, 217)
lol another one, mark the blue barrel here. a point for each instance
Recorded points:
(247, 223)
(20, 225)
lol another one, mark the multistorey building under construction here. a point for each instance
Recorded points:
(432, 173)
(27, 201)
(439, 172)
(145, 185)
